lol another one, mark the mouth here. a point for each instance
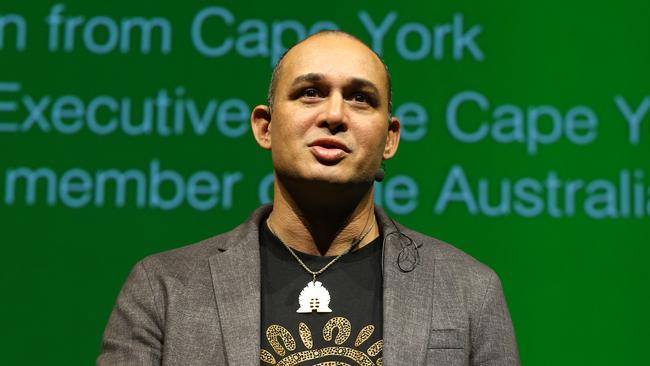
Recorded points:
(328, 151)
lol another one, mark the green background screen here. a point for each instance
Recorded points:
(124, 131)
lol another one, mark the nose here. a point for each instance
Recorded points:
(333, 117)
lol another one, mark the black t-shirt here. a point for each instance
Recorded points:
(351, 334)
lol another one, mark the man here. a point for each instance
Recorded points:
(321, 277)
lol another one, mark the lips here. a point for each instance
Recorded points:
(328, 151)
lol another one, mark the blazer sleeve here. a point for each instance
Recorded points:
(493, 339)
(133, 335)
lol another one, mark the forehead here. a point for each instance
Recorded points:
(337, 57)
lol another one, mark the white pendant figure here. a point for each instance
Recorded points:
(314, 298)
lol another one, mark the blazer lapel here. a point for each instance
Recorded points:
(236, 281)
(408, 301)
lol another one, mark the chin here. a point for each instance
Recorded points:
(326, 175)
(336, 177)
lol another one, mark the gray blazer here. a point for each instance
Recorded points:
(200, 305)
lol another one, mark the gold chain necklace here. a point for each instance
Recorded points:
(315, 297)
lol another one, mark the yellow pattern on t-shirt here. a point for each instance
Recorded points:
(284, 345)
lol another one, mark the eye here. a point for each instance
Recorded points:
(310, 93)
(360, 98)
(363, 99)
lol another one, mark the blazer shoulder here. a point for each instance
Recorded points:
(194, 257)
(437, 255)
(452, 259)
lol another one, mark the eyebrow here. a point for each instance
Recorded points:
(312, 76)
(355, 82)
(364, 83)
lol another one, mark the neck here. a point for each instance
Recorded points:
(323, 220)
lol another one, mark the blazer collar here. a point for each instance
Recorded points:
(236, 281)
(407, 296)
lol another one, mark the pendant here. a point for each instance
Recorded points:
(314, 298)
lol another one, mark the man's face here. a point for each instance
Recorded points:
(330, 119)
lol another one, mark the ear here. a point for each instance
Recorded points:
(261, 126)
(392, 139)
